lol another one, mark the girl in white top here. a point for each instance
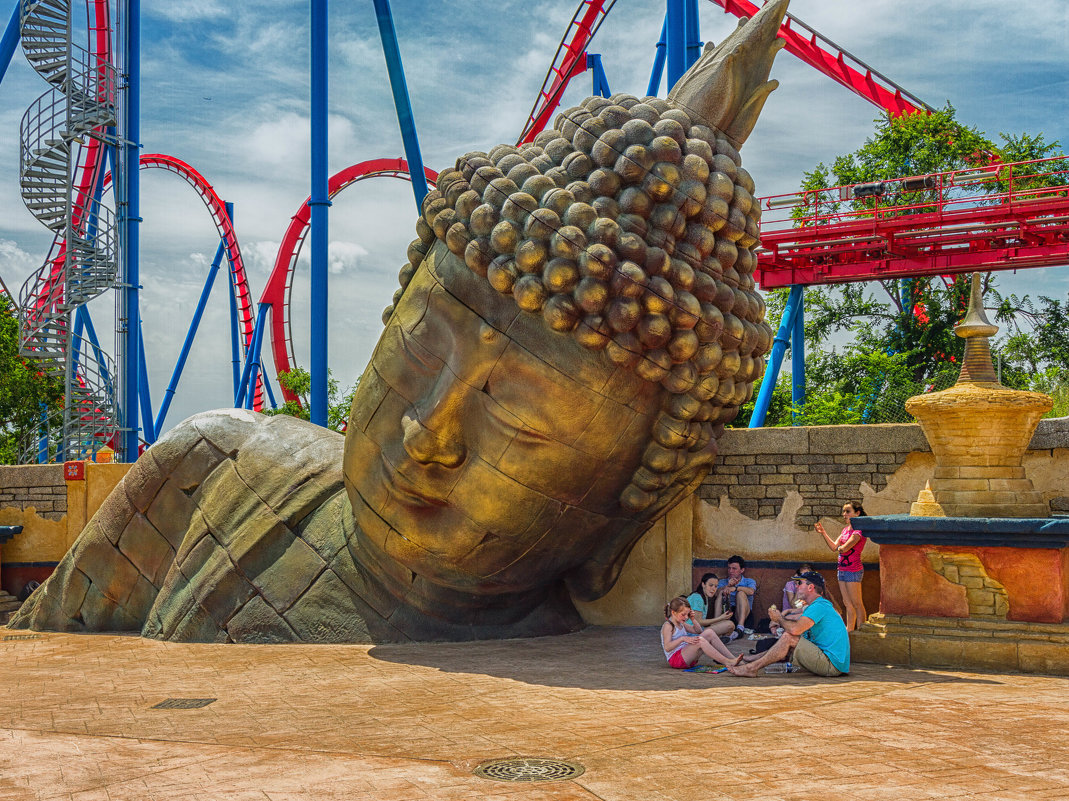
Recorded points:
(684, 641)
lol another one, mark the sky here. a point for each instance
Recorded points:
(226, 89)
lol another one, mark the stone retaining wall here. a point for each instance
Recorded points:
(39, 486)
(770, 485)
(826, 465)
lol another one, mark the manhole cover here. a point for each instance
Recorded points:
(529, 769)
(183, 703)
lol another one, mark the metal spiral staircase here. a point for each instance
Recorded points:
(63, 136)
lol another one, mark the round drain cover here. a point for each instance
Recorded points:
(529, 769)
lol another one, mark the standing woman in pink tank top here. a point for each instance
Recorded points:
(848, 546)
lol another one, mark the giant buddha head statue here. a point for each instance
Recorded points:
(576, 324)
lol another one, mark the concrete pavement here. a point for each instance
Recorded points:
(411, 722)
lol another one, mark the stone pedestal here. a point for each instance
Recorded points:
(979, 433)
(970, 593)
(962, 644)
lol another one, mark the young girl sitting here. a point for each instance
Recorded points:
(684, 641)
(701, 601)
(790, 589)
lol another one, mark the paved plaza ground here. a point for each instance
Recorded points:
(411, 722)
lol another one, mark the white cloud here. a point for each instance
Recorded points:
(226, 89)
(189, 10)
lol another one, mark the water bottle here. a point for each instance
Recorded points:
(779, 667)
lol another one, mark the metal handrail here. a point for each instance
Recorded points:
(934, 195)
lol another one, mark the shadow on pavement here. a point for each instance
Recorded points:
(619, 658)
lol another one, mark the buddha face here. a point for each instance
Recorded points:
(485, 452)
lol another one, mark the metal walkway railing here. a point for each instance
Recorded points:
(61, 154)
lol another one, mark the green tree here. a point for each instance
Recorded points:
(299, 382)
(24, 390)
(896, 338)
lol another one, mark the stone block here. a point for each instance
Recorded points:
(1051, 433)
(198, 626)
(978, 597)
(851, 458)
(257, 622)
(111, 573)
(170, 512)
(879, 647)
(741, 459)
(884, 438)
(757, 491)
(957, 652)
(219, 587)
(765, 440)
(774, 458)
(146, 548)
(1036, 656)
(330, 612)
(747, 507)
(290, 575)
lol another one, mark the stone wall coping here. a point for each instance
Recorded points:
(31, 475)
(876, 438)
(1050, 434)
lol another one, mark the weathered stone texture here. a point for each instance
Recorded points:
(826, 465)
(38, 486)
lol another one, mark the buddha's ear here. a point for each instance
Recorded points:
(597, 575)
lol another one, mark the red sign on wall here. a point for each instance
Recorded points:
(74, 471)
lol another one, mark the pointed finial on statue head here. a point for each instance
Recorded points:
(728, 85)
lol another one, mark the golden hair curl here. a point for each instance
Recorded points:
(631, 228)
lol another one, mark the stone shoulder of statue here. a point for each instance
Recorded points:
(577, 321)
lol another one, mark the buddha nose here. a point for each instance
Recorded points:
(432, 428)
(426, 446)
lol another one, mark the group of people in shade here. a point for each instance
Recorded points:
(810, 631)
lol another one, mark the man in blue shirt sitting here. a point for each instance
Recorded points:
(818, 636)
(735, 593)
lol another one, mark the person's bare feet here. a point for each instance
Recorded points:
(747, 671)
(751, 657)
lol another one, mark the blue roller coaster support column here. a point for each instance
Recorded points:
(601, 83)
(775, 360)
(319, 203)
(675, 21)
(658, 61)
(798, 360)
(694, 44)
(131, 278)
(183, 354)
(247, 393)
(143, 393)
(235, 339)
(401, 102)
(10, 41)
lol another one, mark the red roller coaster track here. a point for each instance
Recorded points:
(569, 61)
(276, 293)
(217, 209)
(824, 55)
(1002, 217)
